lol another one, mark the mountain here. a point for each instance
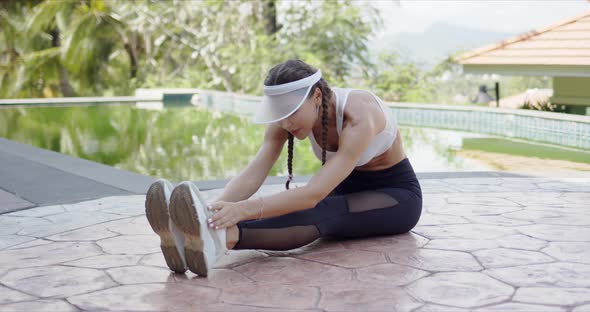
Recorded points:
(436, 43)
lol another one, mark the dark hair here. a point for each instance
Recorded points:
(292, 70)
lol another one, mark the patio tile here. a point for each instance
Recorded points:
(217, 278)
(519, 307)
(484, 199)
(582, 196)
(550, 274)
(504, 257)
(67, 221)
(16, 225)
(437, 260)
(463, 231)
(568, 233)
(462, 244)
(131, 244)
(553, 295)
(105, 261)
(48, 254)
(234, 258)
(387, 243)
(346, 258)
(60, 281)
(497, 220)
(363, 297)
(473, 210)
(8, 295)
(271, 296)
(39, 305)
(31, 243)
(7, 241)
(564, 186)
(535, 198)
(38, 212)
(461, 289)
(293, 272)
(473, 181)
(519, 241)
(493, 244)
(556, 216)
(571, 252)
(389, 275)
(147, 297)
(154, 259)
(90, 233)
(131, 228)
(429, 307)
(582, 308)
(436, 219)
(140, 275)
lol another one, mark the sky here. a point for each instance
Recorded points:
(508, 16)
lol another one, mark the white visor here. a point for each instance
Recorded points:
(281, 101)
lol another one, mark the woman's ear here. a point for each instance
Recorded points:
(318, 94)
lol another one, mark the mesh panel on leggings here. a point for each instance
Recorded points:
(277, 238)
(369, 200)
(303, 227)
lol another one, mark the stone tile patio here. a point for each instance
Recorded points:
(482, 244)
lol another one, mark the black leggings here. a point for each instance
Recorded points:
(366, 203)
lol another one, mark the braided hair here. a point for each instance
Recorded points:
(293, 70)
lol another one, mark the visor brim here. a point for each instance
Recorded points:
(278, 107)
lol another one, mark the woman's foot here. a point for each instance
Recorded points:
(202, 246)
(157, 201)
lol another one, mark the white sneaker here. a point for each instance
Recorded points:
(157, 201)
(203, 246)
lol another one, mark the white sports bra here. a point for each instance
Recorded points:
(380, 143)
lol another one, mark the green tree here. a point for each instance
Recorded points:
(397, 80)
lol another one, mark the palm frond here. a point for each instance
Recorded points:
(45, 13)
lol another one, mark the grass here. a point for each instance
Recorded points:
(504, 146)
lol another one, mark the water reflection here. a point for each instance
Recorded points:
(192, 143)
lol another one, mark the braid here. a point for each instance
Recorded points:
(290, 160)
(324, 129)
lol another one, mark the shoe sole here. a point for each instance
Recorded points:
(184, 215)
(156, 212)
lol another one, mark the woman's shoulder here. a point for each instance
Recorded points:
(363, 106)
(361, 97)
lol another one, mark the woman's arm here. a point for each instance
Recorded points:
(251, 178)
(354, 140)
(360, 128)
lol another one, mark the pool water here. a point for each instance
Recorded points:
(187, 143)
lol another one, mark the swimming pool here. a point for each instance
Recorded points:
(185, 143)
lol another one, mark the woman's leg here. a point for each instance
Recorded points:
(361, 214)
(385, 211)
(291, 230)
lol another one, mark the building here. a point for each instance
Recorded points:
(560, 51)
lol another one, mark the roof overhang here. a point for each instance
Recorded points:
(528, 70)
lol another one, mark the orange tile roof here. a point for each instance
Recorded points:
(564, 43)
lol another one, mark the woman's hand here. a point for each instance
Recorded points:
(226, 214)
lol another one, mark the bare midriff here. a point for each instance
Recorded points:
(389, 158)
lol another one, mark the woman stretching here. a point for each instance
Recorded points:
(366, 185)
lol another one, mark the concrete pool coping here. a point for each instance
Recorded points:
(33, 177)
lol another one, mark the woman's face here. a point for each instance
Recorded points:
(302, 121)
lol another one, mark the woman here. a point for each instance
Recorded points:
(366, 185)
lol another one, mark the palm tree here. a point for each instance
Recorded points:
(13, 43)
(86, 35)
(69, 47)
